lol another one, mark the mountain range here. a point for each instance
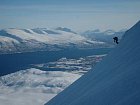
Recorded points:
(14, 40)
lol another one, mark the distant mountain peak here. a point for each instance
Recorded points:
(65, 29)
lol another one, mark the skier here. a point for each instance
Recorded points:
(116, 39)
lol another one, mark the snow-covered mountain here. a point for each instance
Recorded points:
(105, 36)
(25, 40)
(114, 81)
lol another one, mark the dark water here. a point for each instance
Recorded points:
(13, 62)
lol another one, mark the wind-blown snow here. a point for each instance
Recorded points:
(114, 81)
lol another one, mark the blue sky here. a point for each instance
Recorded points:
(79, 15)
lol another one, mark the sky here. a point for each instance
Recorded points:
(79, 15)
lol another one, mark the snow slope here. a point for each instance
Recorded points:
(114, 81)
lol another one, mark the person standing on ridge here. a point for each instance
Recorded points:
(116, 39)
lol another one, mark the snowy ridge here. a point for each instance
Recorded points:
(42, 35)
(114, 81)
(25, 40)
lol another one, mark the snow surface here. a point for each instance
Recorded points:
(114, 81)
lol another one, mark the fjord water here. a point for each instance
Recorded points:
(10, 63)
